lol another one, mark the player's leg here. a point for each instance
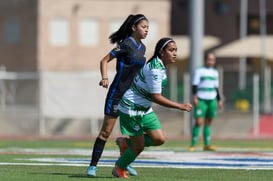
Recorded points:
(110, 117)
(154, 135)
(132, 126)
(199, 114)
(195, 133)
(123, 143)
(211, 114)
(98, 147)
(129, 156)
(132, 152)
(207, 135)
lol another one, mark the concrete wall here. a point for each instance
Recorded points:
(18, 32)
(76, 57)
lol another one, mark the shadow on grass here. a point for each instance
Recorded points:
(83, 176)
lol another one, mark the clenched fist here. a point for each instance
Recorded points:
(187, 107)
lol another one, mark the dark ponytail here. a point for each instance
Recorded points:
(161, 44)
(125, 29)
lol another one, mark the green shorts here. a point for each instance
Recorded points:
(206, 109)
(137, 125)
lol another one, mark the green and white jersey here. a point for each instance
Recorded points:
(137, 100)
(206, 79)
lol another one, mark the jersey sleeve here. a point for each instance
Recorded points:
(119, 50)
(154, 80)
(217, 79)
(196, 77)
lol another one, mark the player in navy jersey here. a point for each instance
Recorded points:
(130, 58)
(130, 55)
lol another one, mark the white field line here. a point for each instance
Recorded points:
(136, 166)
(248, 160)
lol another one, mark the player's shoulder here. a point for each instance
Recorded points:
(214, 69)
(200, 68)
(130, 41)
(124, 42)
(156, 64)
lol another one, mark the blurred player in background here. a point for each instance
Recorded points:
(130, 55)
(206, 100)
(137, 118)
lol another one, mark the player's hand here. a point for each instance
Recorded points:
(187, 107)
(195, 100)
(104, 83)
(220, 104)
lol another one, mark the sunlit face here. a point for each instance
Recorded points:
(140, 30)
(211, 60)
(168, 55)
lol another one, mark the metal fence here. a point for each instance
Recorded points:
(71, 103)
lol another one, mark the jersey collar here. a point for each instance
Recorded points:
(135, 43)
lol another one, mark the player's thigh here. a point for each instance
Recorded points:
(151, 122)
(108, 122)
(152, 128)
(157, 136)
(200, 110)
(130, 125)
(212, 109)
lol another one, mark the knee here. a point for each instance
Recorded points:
(198, 122)
(208, 122)
(159, 141)
(105, 133)
(140, 149)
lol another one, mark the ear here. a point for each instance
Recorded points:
(134, 27)
(161, 52)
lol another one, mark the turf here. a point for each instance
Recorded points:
(62, 173)
(59, 172)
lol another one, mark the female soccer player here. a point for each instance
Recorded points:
(206, 100)
(130, 55)
(136, 114)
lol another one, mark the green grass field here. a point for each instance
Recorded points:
(19, 165)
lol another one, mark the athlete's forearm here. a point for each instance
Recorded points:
(103, 66)
(163, 101)
(218, 94)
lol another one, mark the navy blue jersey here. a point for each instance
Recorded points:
(130, 59)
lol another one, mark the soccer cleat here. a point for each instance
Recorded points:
(91, 171)
(131, 170)
(119, 172)
(191, 148)
(209, 148)
(121, 142)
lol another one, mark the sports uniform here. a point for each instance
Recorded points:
(130, 58)
(136, 114)
(205, 86)
(206, 80)
(137, 118)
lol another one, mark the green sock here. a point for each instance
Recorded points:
(207, 132)
(126, 159)
(148, 141)
(195, 134)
